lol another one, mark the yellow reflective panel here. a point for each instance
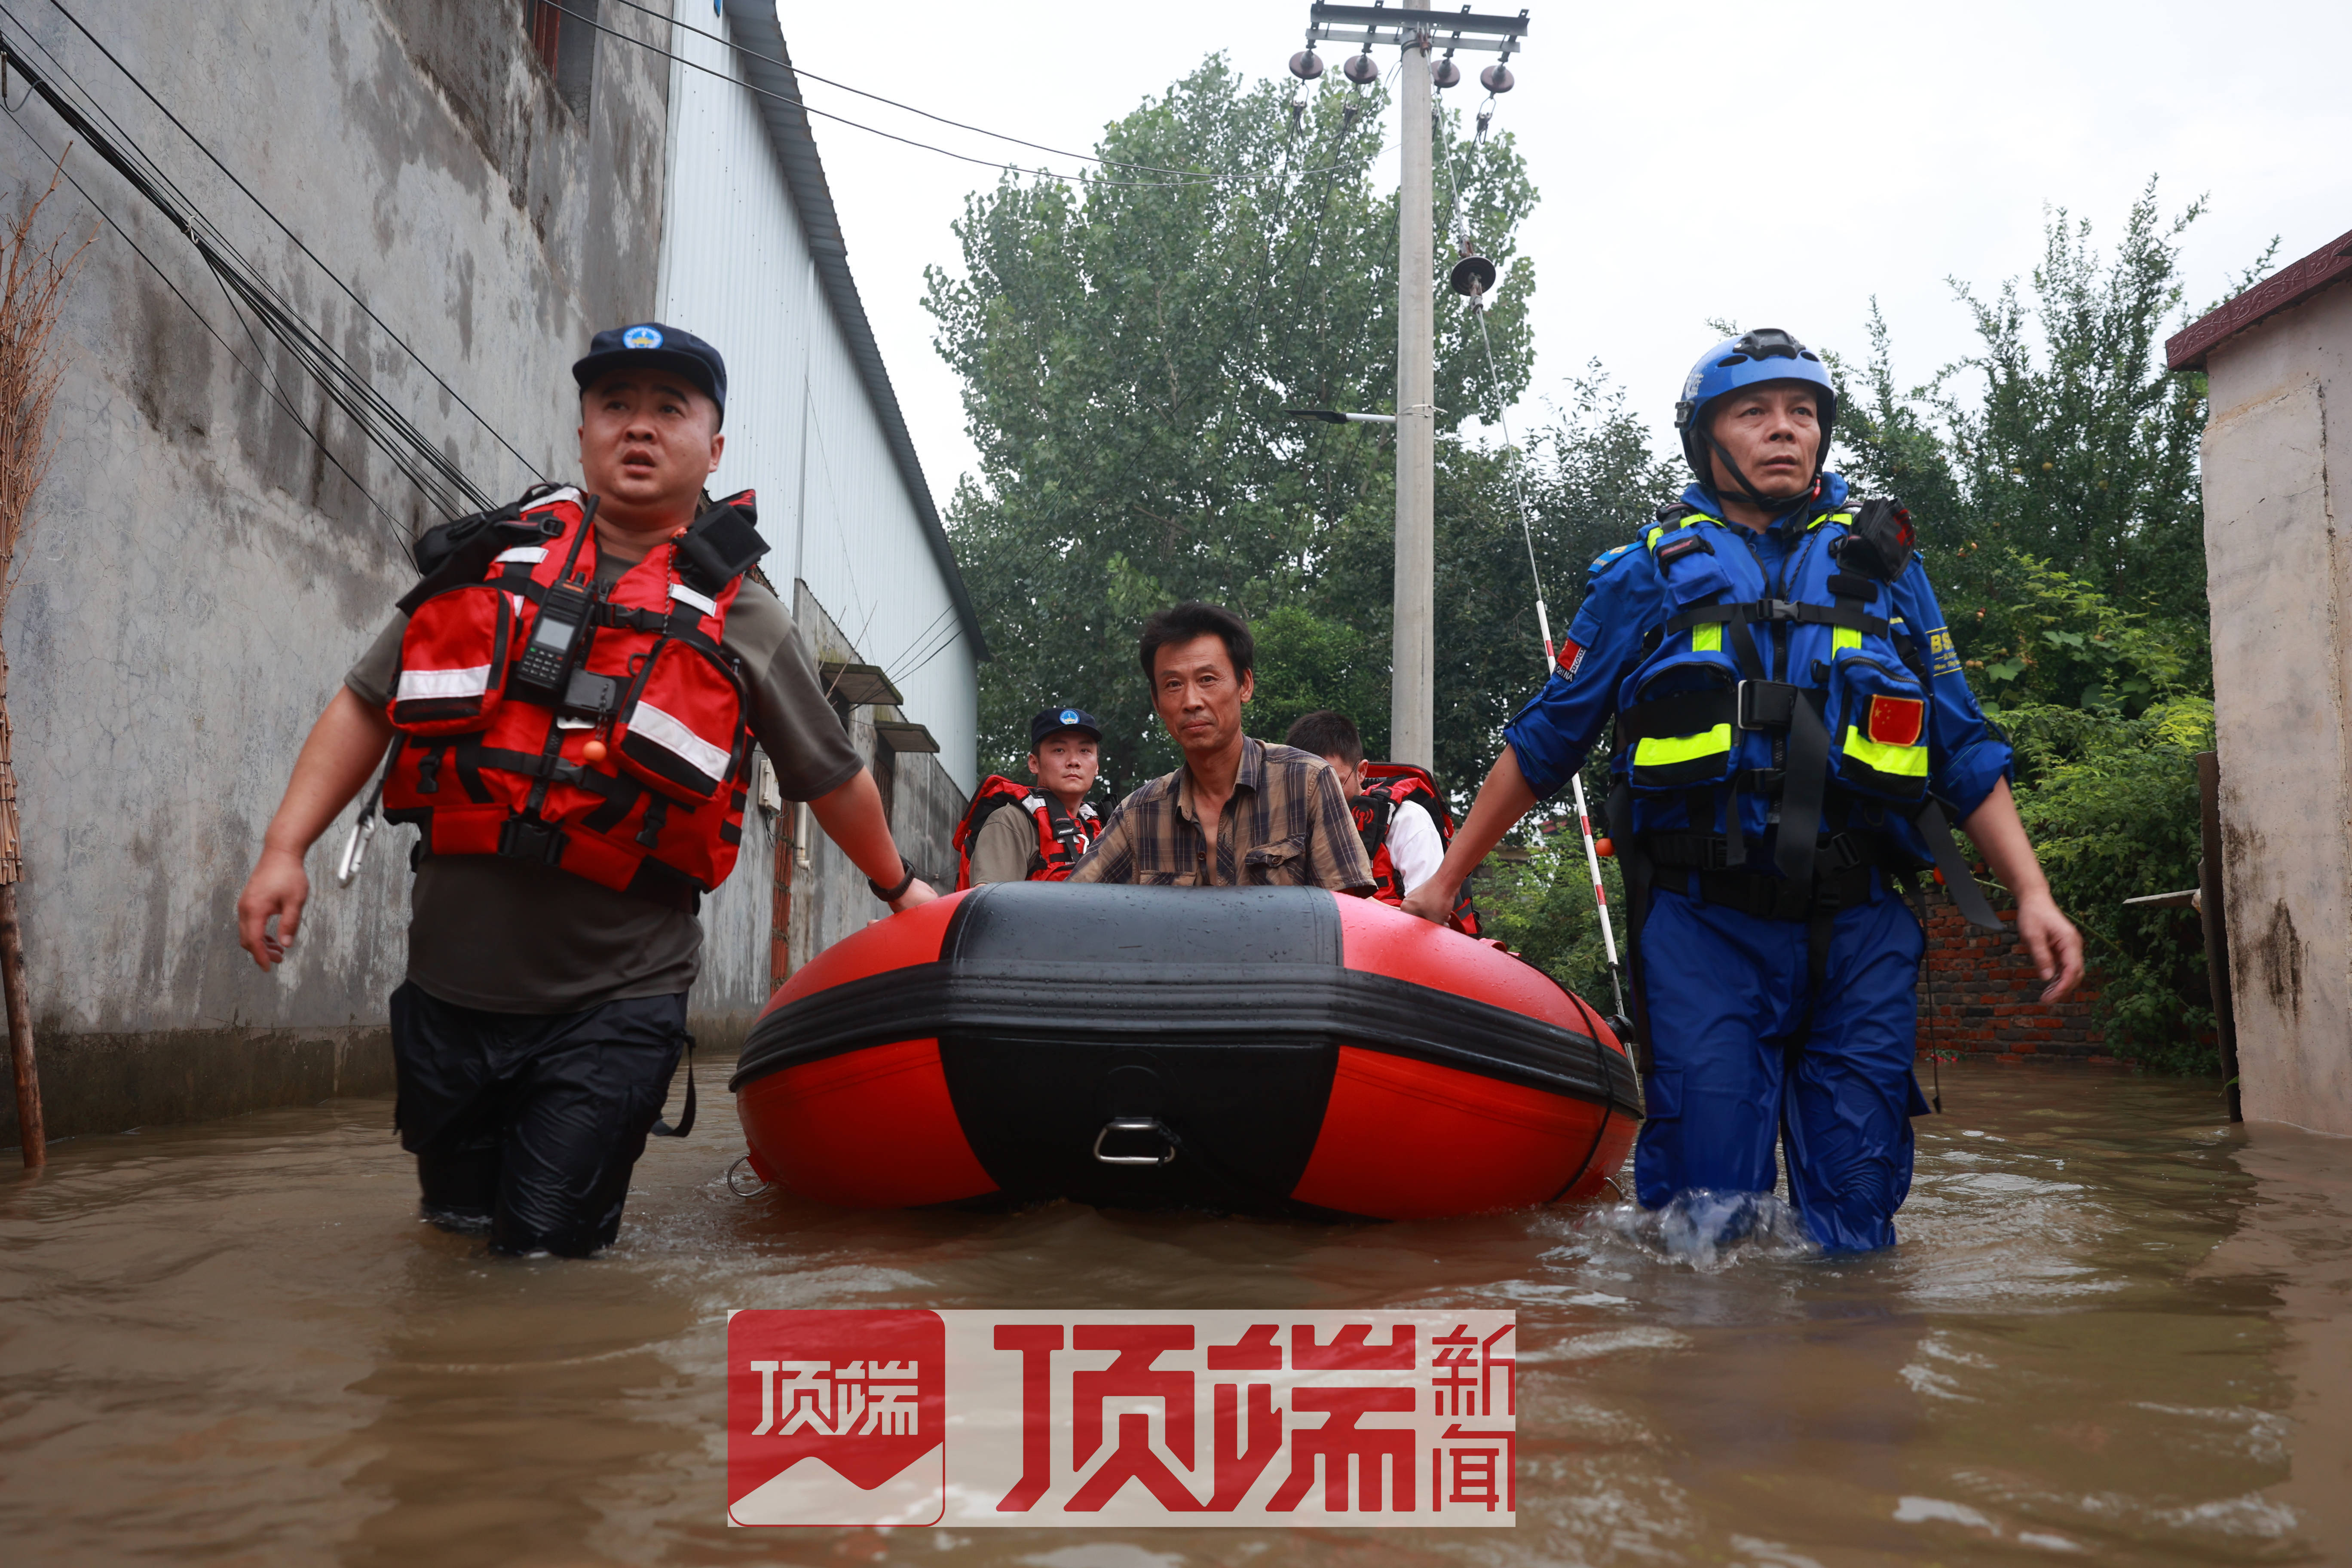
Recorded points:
(1707, 638)
(1656, 534)
(1903, 761)
(1665, 751)
(1842, 638)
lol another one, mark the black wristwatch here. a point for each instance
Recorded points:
(892, 895)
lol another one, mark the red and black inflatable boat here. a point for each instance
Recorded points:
(1249, 1050)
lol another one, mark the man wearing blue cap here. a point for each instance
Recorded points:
(1055, 823)
(552, 934)
(1794, 736)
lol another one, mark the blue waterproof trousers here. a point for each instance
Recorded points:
(1745, 1051)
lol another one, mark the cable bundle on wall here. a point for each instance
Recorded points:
(445, 486)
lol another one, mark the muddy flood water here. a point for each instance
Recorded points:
(2117, 1330)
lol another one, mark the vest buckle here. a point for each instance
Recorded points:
(1767, 704)
(532, 838)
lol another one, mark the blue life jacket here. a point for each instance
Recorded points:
(1808, 691)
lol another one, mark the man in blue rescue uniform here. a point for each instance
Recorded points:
(1794, 738)
(577, 685)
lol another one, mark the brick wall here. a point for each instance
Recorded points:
(1986, 998)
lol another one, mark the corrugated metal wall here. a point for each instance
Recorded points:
(735, 269)
(800, 427)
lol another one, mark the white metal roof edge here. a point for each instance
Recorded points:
(768, 65)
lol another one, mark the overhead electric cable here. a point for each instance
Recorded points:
(1202, 178)
(331, 275)
(797, 69)
(430, 470)
(202, 319)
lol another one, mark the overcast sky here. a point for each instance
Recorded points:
(1774, 165)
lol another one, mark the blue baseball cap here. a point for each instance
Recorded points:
(1054, 721)
(656, 347)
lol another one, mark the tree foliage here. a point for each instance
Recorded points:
(2111, 803)
(1128, 348)
(2061, 440)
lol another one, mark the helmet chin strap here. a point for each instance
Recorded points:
(1784, 507)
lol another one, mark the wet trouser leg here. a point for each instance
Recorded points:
(1742, 1049)
(527, 1123)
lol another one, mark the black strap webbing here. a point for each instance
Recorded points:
(685, 1116)
(1684, 713)
(1766, 610)
(1968, 896)
(1801, 794)
(1064, 828)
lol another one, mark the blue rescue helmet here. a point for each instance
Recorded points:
(1766, 355)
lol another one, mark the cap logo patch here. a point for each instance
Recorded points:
(1070, 715)
(641, 338)
(1898, 721)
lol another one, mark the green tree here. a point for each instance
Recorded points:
(1126, 348)
(2061, 440)
(2109, 795)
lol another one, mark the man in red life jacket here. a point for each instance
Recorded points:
(576, 687)
(1015, 833)
(1399, 813)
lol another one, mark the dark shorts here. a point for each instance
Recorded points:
(529, 1124)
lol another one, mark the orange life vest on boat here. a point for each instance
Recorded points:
(1389, 785)
(617, 751)
(1062, 836)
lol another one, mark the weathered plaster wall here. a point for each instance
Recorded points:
(2277, 456)
(201, 575)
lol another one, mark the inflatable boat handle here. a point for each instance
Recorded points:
(1134, 1124)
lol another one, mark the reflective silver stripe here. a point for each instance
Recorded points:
(680, 593)
(423, 685)
(665, 730)
(534, 554)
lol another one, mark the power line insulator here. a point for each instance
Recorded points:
(1307, 65)
(1472, 276)
(1445, 73)
(1496, 79)
(1362, 69)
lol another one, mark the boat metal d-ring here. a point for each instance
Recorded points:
(738, 1191)
(1135, 1124)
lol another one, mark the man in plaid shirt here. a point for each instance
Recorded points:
(1239, 812)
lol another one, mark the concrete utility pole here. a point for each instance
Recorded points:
(1412, 724)
(1417, 30)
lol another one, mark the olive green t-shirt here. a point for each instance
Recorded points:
(509, 936)
(1003, 849)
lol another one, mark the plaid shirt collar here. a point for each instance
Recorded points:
(1250, 776)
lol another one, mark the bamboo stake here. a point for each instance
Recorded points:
(32, 287)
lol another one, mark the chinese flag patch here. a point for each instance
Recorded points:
(1898, 721)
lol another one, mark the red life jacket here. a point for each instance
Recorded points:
(1387, 786)
(634, 778)
(1061, 836)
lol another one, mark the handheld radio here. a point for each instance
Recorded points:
(545, 668)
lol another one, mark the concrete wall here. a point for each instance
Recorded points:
(201, 574)
(2278, 451)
